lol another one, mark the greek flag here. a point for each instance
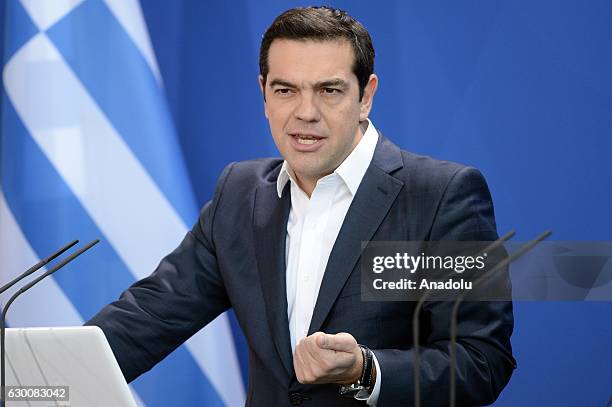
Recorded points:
(88, 150)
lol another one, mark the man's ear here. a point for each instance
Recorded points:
(262, 86)
(368, 97)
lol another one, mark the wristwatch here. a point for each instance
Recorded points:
(362, 388)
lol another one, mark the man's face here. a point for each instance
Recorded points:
(312, 104)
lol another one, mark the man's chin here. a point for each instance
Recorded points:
(306, 172)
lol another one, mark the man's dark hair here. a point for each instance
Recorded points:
(321, 24)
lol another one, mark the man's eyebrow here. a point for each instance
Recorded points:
(281, 82)
(336, 82)
(332, 83)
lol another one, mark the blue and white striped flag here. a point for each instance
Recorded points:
(88, 150)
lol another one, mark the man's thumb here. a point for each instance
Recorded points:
(340, 342)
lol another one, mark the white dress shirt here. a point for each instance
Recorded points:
(312, 229)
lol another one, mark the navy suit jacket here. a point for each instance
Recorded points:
(235, 257)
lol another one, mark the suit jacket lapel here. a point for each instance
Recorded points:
(377, 192)
(270, 229)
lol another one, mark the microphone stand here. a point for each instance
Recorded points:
(21, 291)
(416, 326)
(484, 278)
(37, 266)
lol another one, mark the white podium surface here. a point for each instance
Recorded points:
(78, 358)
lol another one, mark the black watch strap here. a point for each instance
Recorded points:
(361, 389)
(366, 375)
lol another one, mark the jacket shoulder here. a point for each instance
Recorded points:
(422, 172)
(247, 175)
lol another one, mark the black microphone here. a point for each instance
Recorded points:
(37, 266)
(416, 326)
(17, 294)
(483, 278)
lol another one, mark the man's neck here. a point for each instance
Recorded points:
(307, 184)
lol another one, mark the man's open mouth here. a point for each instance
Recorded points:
(306, 139)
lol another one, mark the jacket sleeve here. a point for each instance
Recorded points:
(158, 313)
(484, 355)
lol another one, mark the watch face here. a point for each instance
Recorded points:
(355, 391)
(350, 391)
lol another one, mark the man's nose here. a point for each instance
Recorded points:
(307, 110)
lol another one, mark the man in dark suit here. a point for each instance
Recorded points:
(280, 243)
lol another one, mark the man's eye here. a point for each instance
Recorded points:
(331, 91)
(282, 91)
